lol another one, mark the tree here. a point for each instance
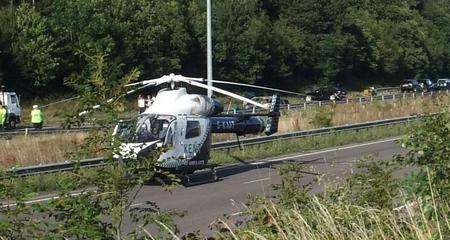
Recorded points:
(34, 48)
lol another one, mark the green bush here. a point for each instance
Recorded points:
(429, 152)
(322, 117)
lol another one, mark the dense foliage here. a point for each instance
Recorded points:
(256, 41)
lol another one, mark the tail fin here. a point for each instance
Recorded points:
(274, 116)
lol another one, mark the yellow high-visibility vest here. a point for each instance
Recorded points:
(37, 116)
(2, 116)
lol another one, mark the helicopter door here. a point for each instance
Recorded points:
(173, 140)
(195, 140)
(170, 137)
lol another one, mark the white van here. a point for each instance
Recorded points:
(14, 113)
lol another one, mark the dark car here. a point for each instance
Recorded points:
(411, 85)
(326, 94)
(426, 84)
(442, 84)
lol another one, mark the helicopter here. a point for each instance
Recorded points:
(183, 123)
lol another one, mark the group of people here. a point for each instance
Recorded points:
(37, 117)
(144, 102)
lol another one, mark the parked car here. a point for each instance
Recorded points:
(442, 84)
(326, 94)
(411, 85)
(426, 84)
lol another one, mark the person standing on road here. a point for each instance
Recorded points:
(141, 104)
(37, 117)
(2, 115)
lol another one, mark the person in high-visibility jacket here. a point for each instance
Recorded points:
(3, 114)
(37, 117)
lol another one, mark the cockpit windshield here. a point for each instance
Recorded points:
(147, 128)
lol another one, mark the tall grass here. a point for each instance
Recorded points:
(38, 149)
(356, 113)
(323, 220)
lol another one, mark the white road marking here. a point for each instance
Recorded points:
(325, 151)
(257, 180)
(236, 214)
(136, 204)
(41, 200)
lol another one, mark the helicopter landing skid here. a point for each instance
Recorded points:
(202, 177)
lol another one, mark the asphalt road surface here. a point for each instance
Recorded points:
(204, 203)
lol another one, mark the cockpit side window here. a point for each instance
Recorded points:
(124, 130)
(192, 129)
(144, 133)
(152, 129)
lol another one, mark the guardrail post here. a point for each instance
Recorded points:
(382, 98)
(360, 100)
(304, 105)
(254, 109)
(288, 107)
(26, 131)
(393, 97)
(414, 95)
(346, 100)
(320, 103)
(404, 95)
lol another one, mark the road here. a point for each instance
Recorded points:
(206, 202)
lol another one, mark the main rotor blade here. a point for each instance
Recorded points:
(246, 85)
(155, 81)
(256, 86)
(60, 101)
(113, 99)
(215, 89)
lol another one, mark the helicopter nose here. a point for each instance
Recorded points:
(134, 150)
(147, 151)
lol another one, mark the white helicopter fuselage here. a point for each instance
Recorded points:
(177, 121)
(182, 125)
(179, 102)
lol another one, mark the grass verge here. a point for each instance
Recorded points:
(296, 145)
(38, 149)
(85, 177)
